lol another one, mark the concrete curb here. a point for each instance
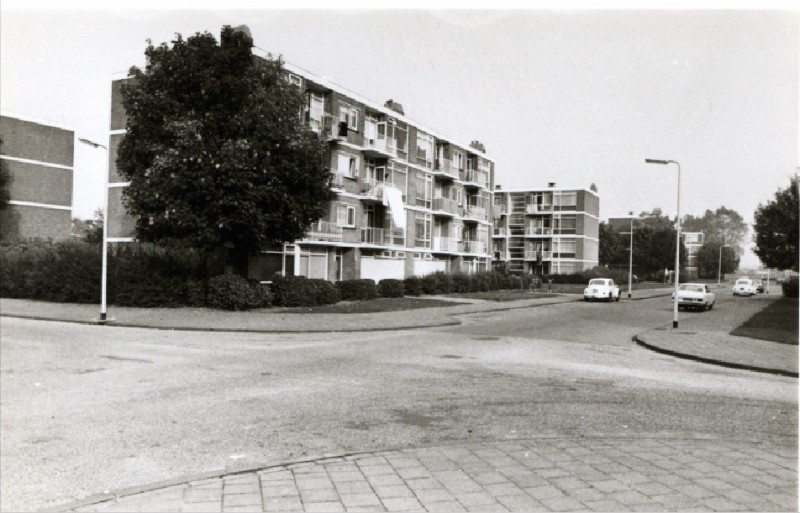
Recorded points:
(134, 490)
(712, 361)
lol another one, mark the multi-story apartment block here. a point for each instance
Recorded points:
(409, 201)
(693, 242)
(546, 231)
(39, 157)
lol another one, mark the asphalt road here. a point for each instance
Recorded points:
(87, 409)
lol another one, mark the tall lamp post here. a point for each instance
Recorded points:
(677, 239)
(104, 276)
(630, 260)
(719, 269)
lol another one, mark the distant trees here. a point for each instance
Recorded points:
(721, 226)
(215, 150)
(653, 246)
(776, 227)
(88, 230)
(708, 260)
(5, 183)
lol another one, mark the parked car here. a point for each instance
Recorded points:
(744, 287)
(601, 288)
(759, 285)
(697, 296)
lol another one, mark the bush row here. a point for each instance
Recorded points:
(790, 287)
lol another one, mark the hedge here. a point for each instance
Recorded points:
(292, 291)
(233, 292)
(790, 287)
(357, 290)
(390, 288)
(412, 286)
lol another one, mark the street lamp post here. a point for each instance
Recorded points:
(104, 274)
(630, 260)
(677, 238)
(719, 270)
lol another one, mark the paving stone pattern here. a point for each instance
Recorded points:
(585, 474)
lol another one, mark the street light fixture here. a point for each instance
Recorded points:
(678, 237)
(104, 275)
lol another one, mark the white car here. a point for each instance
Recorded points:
(601, 288)
(695, 295)
(744, 287)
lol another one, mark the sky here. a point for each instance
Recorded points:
(576, 97)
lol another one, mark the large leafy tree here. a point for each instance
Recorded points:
(710, 257)
(612, 248)
(721, 226)
(215, 151)
(776, 226)
(653, 246)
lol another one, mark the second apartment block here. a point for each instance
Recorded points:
(546, 231)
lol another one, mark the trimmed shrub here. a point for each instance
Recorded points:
(233, 292)
(429, 284)
(292, 291)
(165, 292)
(196, 293)
(390, 288)
(790, 287)
(412, 286)
(357, 290)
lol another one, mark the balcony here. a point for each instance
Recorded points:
(475, 246)
(445, 206)
(444, 168)
(372, 189)
(532, 254)
(383, 236)
(445, 244)
(382, 148)
(337, 181)
(473, 213)
(498, 210)
(500, 232)
(331, 128)
(538, 232)
(533, 208)
(476, 178)
(324, 231)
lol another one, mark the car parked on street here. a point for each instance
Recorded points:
(697, 296)
(744, 287)
(601, 288)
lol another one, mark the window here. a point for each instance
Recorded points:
(401, 135)
(424, 192)
(316, 111)
(460, 197)
(567, 200)
(425, 149)
(294, 79)
(566, 224)
(349, 115)
(399, 178)
(458, 160)
(347, 165)
(346, 216)
(422, 230)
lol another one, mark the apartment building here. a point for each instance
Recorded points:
(545, 231)
(409, 201)
(39, 157)
(693, 242)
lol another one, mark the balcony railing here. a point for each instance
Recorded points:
(476, 177)
(445, 167)
(383, 236)
(380, 147)
(475, 246)
(371, 187)
(337, 180)
(531, 231)
(532, 254)
(324, 231)
(445, 205)
(500, 232)
(478, 213)
(533, 208)
(445, 244)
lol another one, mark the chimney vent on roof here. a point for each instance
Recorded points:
(478, 146)
(393, 105)
(551, 184)
(497, 187)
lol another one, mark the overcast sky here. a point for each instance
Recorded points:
(573, 97)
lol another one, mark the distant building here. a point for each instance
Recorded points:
(623, 224)
(39, 157)
(546, 231)
(693, 242)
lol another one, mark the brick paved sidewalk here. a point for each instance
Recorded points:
(582, 474)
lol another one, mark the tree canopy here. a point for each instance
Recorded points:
(721, 226)
(653, 246)
(776, 227)
(215, 150)
(710, 258)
